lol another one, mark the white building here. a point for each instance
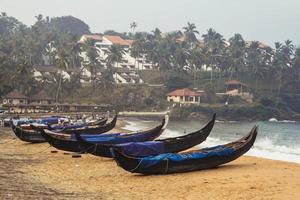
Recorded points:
(103, 42)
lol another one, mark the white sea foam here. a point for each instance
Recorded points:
(264, 147)
(132, 126)
(281, 121)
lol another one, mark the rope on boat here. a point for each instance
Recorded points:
(85, 150)
(137, 166)
(95, 148)
(9, 142)
(39, 151)
(167, 167)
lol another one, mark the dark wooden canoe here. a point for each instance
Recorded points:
(101, 149)
(27, 135)
(170, 145)
(32, 136)
(64, 142)
(93, 129)
(99, 122)
(188, 161)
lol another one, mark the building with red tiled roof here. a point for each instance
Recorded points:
(235, 82)
(261, 45)
(185, 96)
(114, 39)
(235, 85)
(95, 37)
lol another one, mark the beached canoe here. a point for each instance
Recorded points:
(151, 148)
(188, 161)
(93, 129)
(62, 127)
(27, 135)
(68, 142)
(31, 135)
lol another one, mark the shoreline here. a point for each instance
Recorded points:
(158, 115)
(31, 171)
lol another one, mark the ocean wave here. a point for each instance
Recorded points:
(274, 120)
(132, 126)
(264, 147)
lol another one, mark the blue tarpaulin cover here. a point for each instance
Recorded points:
(50, 120)
(85, 136)
(71, 126)
(175, 157)
(123, 138)
(141, 149)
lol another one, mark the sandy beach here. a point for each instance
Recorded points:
(31, 171)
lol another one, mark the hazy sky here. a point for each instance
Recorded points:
(264, 20)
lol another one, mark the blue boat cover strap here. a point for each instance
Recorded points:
(175, 157)
(85, 136)
(142, 149)
(122, 138)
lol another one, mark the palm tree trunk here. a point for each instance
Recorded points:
(194, 76)
(256, 83)
(280, 84)
(58, 88)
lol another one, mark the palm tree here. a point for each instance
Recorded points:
(114, 55)
(62, 63)
(92, 61)
(282, 60)
(3, 14)
(138, 47)
(190, 33)
(157, 34)
(236, 52)
(180, 58)
(133, 26)
(196, 59)
(214, 44)
(294, 72)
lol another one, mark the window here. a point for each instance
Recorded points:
(191, 99)
(197, 99)
(186, 98)
(181, 98)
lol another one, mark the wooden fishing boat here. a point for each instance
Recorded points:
(188, 161)
(27, 135)
(92, 129)
(67, 142)
(151, 148)
(31, 135)
(98, 122)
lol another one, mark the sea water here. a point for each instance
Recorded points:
(276, 140)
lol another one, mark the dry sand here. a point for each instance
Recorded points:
(31, 171)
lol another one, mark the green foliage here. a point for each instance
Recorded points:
(257, 112)
(267, 101)
(149, 101)
(292, 100)
(176, 81)
(70, 25)
(115, 33)
(179, 57)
